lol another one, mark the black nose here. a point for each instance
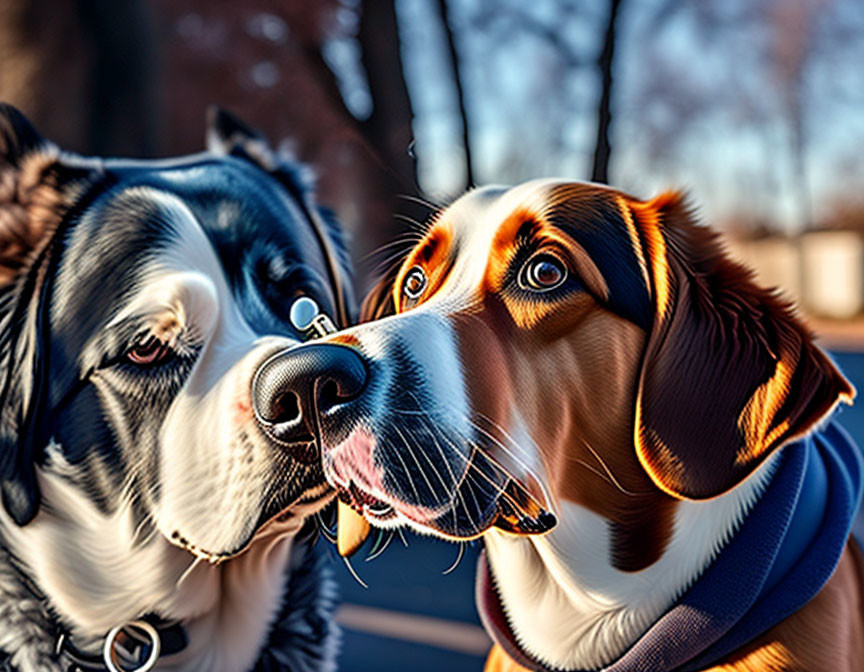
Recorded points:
(292, 385)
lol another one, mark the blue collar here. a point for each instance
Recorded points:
(781, 556)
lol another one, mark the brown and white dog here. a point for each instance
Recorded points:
(564, 351)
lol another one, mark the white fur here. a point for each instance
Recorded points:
(211, 481)
(569, 607)
(98, 574)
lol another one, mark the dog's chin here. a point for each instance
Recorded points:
(272, 522)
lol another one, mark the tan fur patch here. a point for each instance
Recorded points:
(32, 204)
(434, 255)
(647, 215)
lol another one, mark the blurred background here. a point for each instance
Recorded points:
(754, 106)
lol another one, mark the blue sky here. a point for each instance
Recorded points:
(703, 78)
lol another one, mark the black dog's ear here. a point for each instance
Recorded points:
(18, 138)
(225, 132)
(729, 374)
(227, 135)
(37, 188)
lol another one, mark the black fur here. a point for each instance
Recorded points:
(75, 235)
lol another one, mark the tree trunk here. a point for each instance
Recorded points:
(444, 13)
(602, 146)
(388, 127)
(123, 109)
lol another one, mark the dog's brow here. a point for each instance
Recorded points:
(594, 220)
(520, 224)
(181, 293)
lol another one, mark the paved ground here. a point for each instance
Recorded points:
(409, 601)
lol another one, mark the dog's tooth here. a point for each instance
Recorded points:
(352, 530)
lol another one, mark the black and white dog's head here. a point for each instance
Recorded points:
(137, 301)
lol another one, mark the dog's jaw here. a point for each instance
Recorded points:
(101, 571)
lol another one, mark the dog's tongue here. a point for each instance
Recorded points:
(352, 530)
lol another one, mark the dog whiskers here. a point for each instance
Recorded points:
(417, 462)
(376, 552)
(191, 568)
(417, 227)
(353, 573)
(459, 557)
(421, 201)
(498, 488)
(444, 459)
(474, 474)
(461, 498)
(435, 469)
(408, 475)
(403, 242)
(611, 477)
(325, 529)
(513, 454)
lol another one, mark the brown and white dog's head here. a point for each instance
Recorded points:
(565, 351)
(565, 342)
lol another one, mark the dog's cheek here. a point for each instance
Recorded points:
(489, 386)
(216, 468)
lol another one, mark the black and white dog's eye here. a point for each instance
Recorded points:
(149, 350)
(542, 273)
(415, 283)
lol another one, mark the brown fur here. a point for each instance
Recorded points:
(36, 190)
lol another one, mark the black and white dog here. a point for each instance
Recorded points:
(140, 484)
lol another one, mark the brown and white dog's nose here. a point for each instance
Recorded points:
(291, 386)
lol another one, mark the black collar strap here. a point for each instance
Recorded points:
(130, 645)
(319, 228)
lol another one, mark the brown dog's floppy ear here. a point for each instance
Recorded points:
(729, 373)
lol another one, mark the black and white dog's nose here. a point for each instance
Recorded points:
(292, 385)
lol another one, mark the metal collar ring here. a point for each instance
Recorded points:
(109, 655)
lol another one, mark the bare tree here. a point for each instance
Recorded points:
(602, 146)
(81, 71)
(791, 24)
(121, 77)
(388, 127)
(455, 62)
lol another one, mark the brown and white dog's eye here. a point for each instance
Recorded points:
(149, 350)
(542, 273)
(415, 283)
